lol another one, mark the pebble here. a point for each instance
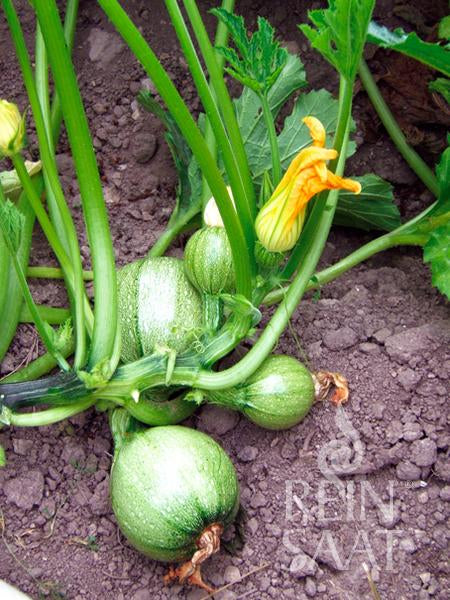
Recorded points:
(21, 446)
(408, 378)
(248, 453)
(144, 147)
(412, 432)
(340, 339)
(142, 594)
(104, 46)
(310, 587)
(407, 471)
(423, 453)
(408, 545)
(369, 348)
(215, 419)
(231, 574)
(25, 491)
(302, 565)
(258, 500)
(444, 494)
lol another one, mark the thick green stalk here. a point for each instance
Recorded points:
(70, 21)
(275, 151)
(50, 314)
(53, 273)
(4, 272)
(421, 169)
(51, 415)
(247, 210)
(65, 228)
(41, 326)
(229, 156)
(355, 258)
(9, 316)
(220, 40)
(94, 209)
(193, 136)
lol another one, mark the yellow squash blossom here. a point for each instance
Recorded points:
(12, 129)
(280, 220)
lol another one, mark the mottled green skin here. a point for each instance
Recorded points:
(208, 261)
(279, 394)
(167, 485)
(158, 306)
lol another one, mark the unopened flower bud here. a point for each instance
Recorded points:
(12, 129)
(211, 214)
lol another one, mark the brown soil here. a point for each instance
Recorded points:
(382, 325)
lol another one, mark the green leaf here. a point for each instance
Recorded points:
(437, 252)
(442, 86)
(10, 182)
(433, 55)
(258, 59)
(444, 28)
(295, 135)
(2, 457)
(373, 208)
(339, 33)
(188, 200)
(11, 223)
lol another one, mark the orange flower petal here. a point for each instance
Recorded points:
(316, 130)
(339, 183)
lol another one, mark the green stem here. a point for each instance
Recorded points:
(65, 234)
(94, 209)
(246, 209)
(51, 415)
(193, 136)
(421, 169)
(4, 271)
(70, 21)
(232, 166)
(270, 124)
(187, 223)
(53, 316)
(40, 366)
(41, 326)
(220, 40)
(355, 258)
(9, 316)
(53, 273)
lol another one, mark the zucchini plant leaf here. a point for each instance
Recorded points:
(11, 223)
(373, 208)
(10, 181)
(188, 196)
(437, 252)
(295, 135)
(444, 28)
(442, 86)
(339, 33)
(433, 55)
(258, 59)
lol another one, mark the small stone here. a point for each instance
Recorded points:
(258, 500)
(442, 468)
(145, 146)
(340, 339)
(25, 491)
(310, 587)
(407, 471)
(215, 419)
(444, 494)
(369, 348)
(382, 334)
(408, 545)
(231, 574)
(425, 578)
(252, 525)
(302, 565)
(423, 453)
(422, 497)
(104, 46)
(408, 378)
(412, 431)
(248, 453)
(142, 594)
(21, 446)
